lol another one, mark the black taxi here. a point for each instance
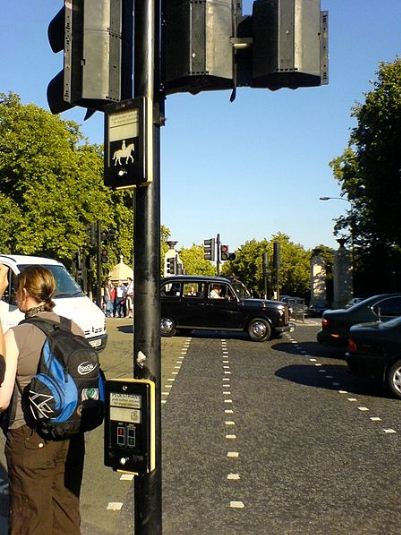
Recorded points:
(215, 303)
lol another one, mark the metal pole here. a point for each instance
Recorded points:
(265, 272)
(218, 254)
(99, 269)
(147, 357)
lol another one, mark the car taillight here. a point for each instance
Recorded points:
(352, 347)
(325, 323)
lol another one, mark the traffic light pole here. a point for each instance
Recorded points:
(147, 348)
(99, 267)
(218, 262)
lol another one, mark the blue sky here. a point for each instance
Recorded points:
(246, 169)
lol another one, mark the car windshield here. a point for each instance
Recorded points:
(65, 284)
(241, 290)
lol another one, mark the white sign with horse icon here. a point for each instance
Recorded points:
(126, 152)
(125, 144)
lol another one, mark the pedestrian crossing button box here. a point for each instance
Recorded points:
(129, 437)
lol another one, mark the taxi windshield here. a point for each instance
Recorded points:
(241, 290)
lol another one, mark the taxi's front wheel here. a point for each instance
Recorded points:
(259, 330)
(167, 327)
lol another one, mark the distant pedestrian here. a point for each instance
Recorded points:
(109, 297)
(120, 306)
(130, 297)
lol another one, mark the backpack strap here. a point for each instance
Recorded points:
(48, 326)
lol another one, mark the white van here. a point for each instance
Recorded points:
(69, 299)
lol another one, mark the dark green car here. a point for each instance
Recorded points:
(337, 323)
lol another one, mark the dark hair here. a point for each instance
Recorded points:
(39, 283)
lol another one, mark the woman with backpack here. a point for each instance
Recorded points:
(45, 475)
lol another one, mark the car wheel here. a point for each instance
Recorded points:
(393, 379)
(259, 330)
(167, 327)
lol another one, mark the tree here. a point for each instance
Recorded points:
(50, 178)
(294, 265)
(194, 263)
(369, 172)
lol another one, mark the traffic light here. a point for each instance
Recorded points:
(209, 249)
(171, 265)
(224, 252)
(104, 255)
(96, 36)
(199, 50)
(289, 44)
(109, 235)
(211, 45)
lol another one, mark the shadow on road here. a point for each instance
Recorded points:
(309, 375)
(313, 349)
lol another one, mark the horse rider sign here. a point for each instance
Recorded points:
(124, 158)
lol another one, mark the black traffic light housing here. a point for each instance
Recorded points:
(97, 37)
(104, 255)
(224, 252)
(172, 265)
(209, 249)
(289, 44)
(211, 45)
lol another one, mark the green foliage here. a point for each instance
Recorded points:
(369, 170)
(194, 263)
(52, 180)
(51, 189)
(294, 266)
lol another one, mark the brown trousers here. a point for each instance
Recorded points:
(45, 480)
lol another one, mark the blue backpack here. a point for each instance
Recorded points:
(66, 396)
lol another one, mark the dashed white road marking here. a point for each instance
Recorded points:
(375, 419)
(114, 506)
(235, 477)
(342, 392)
(352, 399)
(229, 422)
(233, 454)
(313, 360)
(228, 401)
(229, 411)
(389, 431)
(363, 408)
(237, 505)
(127, 477)
(231, 437)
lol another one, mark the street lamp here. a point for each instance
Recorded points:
(336, 198)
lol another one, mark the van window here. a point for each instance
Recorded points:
(65, 284)
(193, 289)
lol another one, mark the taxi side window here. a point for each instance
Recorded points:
(193, 289)
(171, 289)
